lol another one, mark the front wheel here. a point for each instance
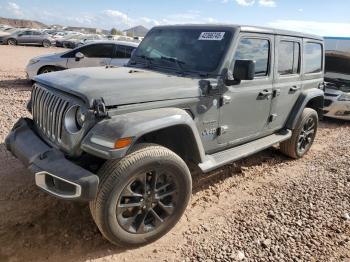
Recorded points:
(303, 135)
(142, 196)
(46, 43)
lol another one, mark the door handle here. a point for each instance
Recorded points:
(265, 93)
(294, 88)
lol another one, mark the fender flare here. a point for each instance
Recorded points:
(305, 97)
(135, 125)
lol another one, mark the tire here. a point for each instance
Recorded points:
(11, 41)
(46, 43)
(303, 135)
(47, 69)
(132, 208)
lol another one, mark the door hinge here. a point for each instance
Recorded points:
(222, 130)
(276, 92)
(272, 117)
(224, 100)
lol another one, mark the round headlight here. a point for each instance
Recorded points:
(80, 117)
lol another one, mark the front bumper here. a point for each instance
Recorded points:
(53, 172)
(337, 109)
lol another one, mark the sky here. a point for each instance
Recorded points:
(322, 17)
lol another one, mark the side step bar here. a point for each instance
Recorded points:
(224, 157)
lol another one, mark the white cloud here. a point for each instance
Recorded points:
(245, 2)
(301, 10)
(267, 3)
(314, 27)
(14, 9)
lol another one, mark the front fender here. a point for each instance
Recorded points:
(136, 124)
(304, 99)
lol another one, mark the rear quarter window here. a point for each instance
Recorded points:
(312, 58)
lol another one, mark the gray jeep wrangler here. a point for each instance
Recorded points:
(123, 138)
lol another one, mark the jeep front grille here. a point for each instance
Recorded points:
(48, 111)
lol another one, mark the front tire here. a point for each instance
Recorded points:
(47, 69)
(46, 43)
(303, 135)
(142, 196)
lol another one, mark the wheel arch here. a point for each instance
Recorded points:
(312, 98)
(58, 68)
(173, 128)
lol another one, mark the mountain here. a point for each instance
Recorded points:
(140, 31)
(22, 23)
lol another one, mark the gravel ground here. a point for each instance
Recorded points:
(263, 208)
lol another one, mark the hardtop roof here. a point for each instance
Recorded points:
(248, 29)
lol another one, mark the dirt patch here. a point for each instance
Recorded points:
(265, 207)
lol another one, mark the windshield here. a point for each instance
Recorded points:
(184, 49)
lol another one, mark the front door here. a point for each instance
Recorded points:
(94, 55)
(245, 110)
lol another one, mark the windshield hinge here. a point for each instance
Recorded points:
(100, 108)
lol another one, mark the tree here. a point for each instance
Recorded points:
(114, 31)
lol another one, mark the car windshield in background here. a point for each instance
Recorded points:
(198, 50)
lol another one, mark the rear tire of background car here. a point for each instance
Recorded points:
(46, 43)
(11, 41)
(47, 69)
(141, 196)
(303, 135)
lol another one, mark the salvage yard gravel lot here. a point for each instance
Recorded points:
(263, 208)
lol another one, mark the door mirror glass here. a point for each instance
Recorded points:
(79, 56)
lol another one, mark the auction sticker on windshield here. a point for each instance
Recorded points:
(216, 36)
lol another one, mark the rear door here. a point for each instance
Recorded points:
(287, 84)
(94, 55)
(122, 55)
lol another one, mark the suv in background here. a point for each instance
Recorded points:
(28, 37)
(104, 53)
(337, 78)
(123, 138)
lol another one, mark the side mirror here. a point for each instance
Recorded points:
(243, 70)
(79, 56)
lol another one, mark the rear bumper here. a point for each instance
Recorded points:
(53, 172)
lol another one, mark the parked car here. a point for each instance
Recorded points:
(28, 37)
(81, 40)
(206, 95)
(107, 53)
(337, 78)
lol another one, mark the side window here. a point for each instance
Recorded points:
(288, 58)
(257, 50)
(124, 51)
(37, 33)
(98, 51)
(312, 58)
(27, 33)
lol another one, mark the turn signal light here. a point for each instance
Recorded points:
(123, 142)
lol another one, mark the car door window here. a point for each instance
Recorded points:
(37, 33)
(313, 58)
(257, 50)
(288, 58)
(26, 33)
(97, 51)
(124, 51)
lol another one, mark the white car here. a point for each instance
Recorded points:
(113, 53)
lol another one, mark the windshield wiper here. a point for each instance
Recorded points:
(178, 62)
(147, 59)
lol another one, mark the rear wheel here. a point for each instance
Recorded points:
(46, 43)
(303, 135)
(141, 196)
(11, 41)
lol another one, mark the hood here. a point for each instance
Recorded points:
(48, 57)
(121, 85)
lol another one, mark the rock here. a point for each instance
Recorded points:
(266, 243)
(346, 216)
(239, 256)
